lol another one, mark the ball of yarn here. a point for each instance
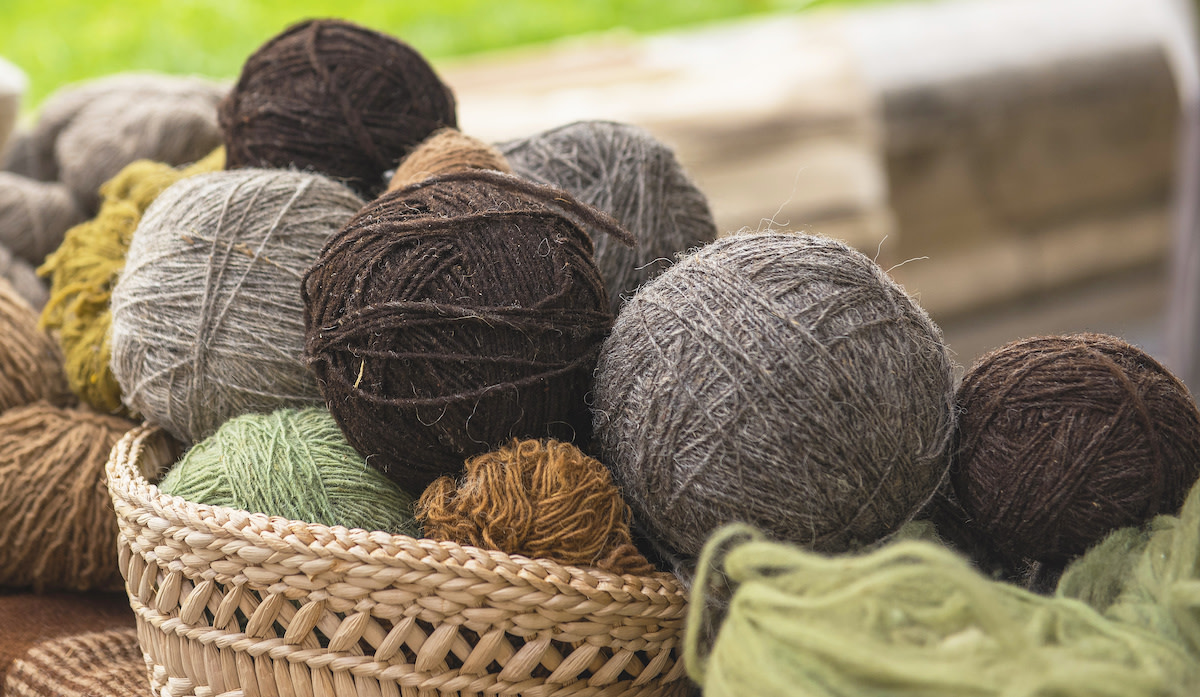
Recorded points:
(86, 266)
(31, 366)
(777, 379)
(625, 171)
(335, 98)
(538, 499)
(17, 156)
(24, 280)
(1062, 439)
(911, 618)
(293, 463)
(57, 525)
(455, 315)
(67, 108)
(111, 131)
(207, 320)
(447, 150)
(35, 215)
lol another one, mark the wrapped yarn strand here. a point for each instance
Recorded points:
(447, 150)
(31, 365)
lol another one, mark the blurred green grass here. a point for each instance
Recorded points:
(57, 42)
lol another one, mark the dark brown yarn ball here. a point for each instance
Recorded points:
(335, 98)
(539, 499)
(454, 315)
(1063, 439)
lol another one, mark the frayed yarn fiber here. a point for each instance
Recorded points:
(57, 524)
(31, 365)
(34, 216)
(911, 618)
(454, 315)
(447, 150)
(207, 319)
(781, 380)
(86, 266)
(1063, 439)
(336, 98)
(293, 463)
(539, 499)
(628, 173)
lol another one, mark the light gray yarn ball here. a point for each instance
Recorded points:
(781, 380)
(35, 216)
(207, 318)
(626, 172)
(23, 278)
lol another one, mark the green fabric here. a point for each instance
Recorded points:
(913, 619)
(293, 463)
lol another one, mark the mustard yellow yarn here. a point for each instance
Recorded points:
(85, 267)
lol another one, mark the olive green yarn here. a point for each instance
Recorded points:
(293, 463)
(86, 266)
(909, 619)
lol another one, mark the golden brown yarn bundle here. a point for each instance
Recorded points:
(450, 317)
(1062, 439)
(31, 366)
(86, 266)
(57, 526)
(335, 98)
(447, 150)
(542, 499)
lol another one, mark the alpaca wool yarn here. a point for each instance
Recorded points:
(336, 98)
(35, 215)
(68, 109)
(293, 463)
(57, 524)
(23, 279)
(31, 366)
(207, 320)
(626, 172)
(450, 317)
(447, 150)
(111, 131)
(911, 618)
(86, 266)
(781, 380)
(540, 499)
(1062, 439)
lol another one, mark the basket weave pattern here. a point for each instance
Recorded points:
(231, 603)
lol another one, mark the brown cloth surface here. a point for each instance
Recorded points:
(96, 664)
(28, 619)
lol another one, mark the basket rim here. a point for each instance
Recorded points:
(382, 549)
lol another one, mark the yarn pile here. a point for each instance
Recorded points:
(345, 312)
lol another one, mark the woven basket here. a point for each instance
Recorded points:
(233, 603)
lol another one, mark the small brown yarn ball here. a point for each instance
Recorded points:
(336, 98)
(447, 150)
(1062, 439)
(31, 365)
(57, 525)
(447, 318)
(540, 499)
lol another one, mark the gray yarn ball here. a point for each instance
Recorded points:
(35, 215)
(626, 172)
(207, 318)
(23, 278)
(781, 380)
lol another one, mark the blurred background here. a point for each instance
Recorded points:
(1023, 167)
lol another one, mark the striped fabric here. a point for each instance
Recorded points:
(97, 664)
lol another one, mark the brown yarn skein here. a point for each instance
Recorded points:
(447, 150)
(1062, 439)
(57, 526)
(31, 365)
(447, 318)
(537, 499)
(336, 98)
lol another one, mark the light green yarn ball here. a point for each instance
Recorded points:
(293, 463)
